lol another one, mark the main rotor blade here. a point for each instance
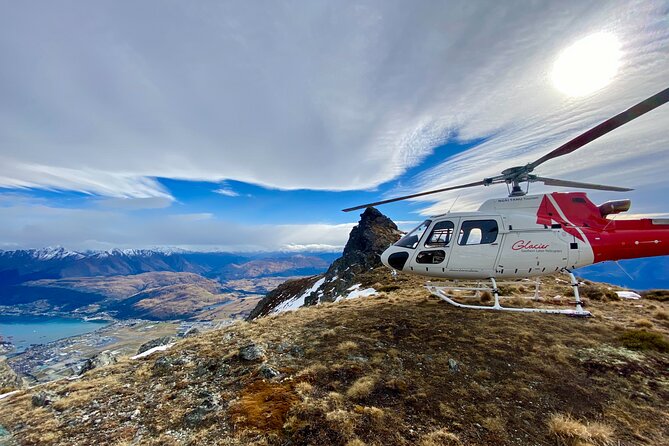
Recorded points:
(420, 194)
(605, 127)
(567, 183)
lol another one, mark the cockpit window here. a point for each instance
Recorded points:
(412, 238)
(441, 234)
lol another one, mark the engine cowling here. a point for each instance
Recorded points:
(614, 207)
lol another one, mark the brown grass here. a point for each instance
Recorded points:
(570, 432)
(347, 346)
(263, 406)
(643, 323)
(441, 437)
(645, 340)
(362, 387)
(394, 388)
(662, 315)
(658, 295)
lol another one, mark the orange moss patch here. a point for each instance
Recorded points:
(263, 406)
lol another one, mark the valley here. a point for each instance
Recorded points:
(136, 307)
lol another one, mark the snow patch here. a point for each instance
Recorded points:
(628, 295)
(8, 394)
(160, 348)
(356, 292)
(298, 301)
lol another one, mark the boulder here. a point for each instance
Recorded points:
(155, 343)
(251, 352)
(102, 359)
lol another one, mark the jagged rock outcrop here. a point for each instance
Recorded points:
(367, 240)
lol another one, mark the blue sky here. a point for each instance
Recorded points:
(120, 121)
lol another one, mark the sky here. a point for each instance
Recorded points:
(248, 126)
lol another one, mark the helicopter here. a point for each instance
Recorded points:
(525, 235)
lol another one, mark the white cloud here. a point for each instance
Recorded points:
(226, 191)
(32, 224)
(514, 107)
(297, 95)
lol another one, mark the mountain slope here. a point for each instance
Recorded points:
(367, 240)
(400, 368)
(120, 287)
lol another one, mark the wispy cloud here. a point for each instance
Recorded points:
(308, 95)
(226, 191)
(327, 98)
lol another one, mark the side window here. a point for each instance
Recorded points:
(432, 257)
(441, 234)
(411, 239)
(478, 232)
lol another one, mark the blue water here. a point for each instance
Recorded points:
(22, 331)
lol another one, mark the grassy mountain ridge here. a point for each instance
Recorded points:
(400, 367)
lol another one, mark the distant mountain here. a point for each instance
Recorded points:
(21, 266)
(648, 273)
(300, 265)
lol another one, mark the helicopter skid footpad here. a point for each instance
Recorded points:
(441, 292)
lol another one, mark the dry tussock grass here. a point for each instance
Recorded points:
(343, 421)
(571, 432)
(441, 437)
(362, 387)
(347, 346)
(643, 323)
(311, 373)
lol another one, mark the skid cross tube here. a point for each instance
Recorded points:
(442, 292)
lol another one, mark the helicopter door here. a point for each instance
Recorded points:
(476, 247)
(433, 253)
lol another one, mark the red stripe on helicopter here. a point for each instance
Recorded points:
(609, 239)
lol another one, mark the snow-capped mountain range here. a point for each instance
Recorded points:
(18, 266)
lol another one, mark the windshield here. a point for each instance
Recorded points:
(411, 239)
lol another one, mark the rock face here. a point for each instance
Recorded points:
(9, 380)
(155, 343)
(100, 360)
(367, 240)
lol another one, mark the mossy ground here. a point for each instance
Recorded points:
(398, 368)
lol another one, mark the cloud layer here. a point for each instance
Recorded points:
(28, 223)
(102, 96)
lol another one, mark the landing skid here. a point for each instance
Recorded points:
(442, 291)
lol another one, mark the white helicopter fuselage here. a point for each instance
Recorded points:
(489, 243)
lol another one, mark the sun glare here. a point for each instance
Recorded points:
(587, 65)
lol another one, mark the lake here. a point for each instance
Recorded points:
(22, 331)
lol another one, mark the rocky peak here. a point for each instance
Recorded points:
(367, 240)
(372, 235)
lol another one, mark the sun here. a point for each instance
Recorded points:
(587, 65)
